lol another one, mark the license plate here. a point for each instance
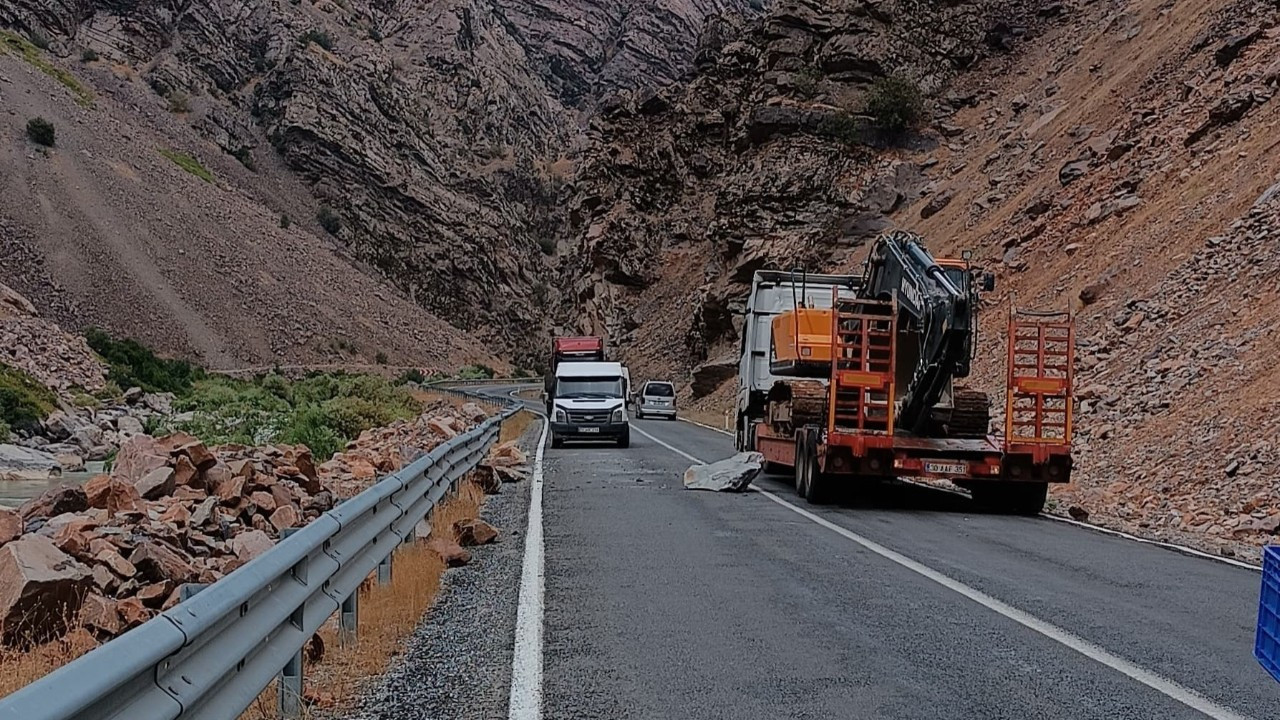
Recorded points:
(589, 429)
(946, 468)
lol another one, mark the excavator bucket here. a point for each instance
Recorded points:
(1038, 413)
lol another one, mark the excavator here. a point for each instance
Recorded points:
(861, 381)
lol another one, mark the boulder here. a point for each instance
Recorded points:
(156, 484)
(250, 545)
(129, 425)
(176, 514)
(474, 531)
(100, 616)
(198, 454)
(217, 474)
(113, 495)
(186, 475)
(156, 562)
(54, 502)
(473, 412)
(203, 512)
(285, 516)
(443, 427)
(133, 395)
(729, 475)
(10, 526)
(265, 501)
(159, 402)
(453, 554)
(507, 454)
(154, 595)
(41, 590)
(115, 562)
(230, 490)
(105, 580)
(133, 613)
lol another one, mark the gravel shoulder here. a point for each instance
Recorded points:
(457, 664)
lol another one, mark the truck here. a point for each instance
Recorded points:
(588, 402)
(851, 379)
(570, 349)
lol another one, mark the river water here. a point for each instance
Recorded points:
(15, 492)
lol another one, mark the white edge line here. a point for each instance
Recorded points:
(525, 700)
(1175, 547)
(1097, 653)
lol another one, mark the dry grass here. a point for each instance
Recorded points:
(19, 668)
(516, 425)
(388, 615)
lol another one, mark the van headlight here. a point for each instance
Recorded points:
(560, 416)
(619, 415)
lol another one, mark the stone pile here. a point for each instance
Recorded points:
(110, 555)
(57, 359)
(504, 464)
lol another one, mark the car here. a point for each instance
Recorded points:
(657, 398)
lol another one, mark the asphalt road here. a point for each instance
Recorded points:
(667, 603)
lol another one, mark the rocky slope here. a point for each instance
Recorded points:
(432, 130)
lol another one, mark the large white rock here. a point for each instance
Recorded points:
(19, 463)
(729, 475)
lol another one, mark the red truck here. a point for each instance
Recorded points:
(571, 349)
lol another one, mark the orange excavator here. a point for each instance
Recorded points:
(861, 380)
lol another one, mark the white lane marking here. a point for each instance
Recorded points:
(1097, 653)
(525, 701)
(722, 431)
(672, 448)
(1158, 543)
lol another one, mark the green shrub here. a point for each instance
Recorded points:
(475, 372)
(24, 402)
(328, 219)
(806, 82)
(89, 55)
(317, 37)
(380, 358)
(895, 104)
(4, 432)
(547, 244)
(39, 39)
(245, 156)
(33, 57)
(285, 222)
(130, 364)
(179, 102)
(413, 375)
(41, 132)
(188, 163)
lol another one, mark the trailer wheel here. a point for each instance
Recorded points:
(820, 489)
(802, 464)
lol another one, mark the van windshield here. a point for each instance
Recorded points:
(589, 387)
(659, 390)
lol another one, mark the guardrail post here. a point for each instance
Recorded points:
(384, 570)
(349, 619)
(289, 691)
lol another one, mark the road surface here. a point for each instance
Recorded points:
(666, 603)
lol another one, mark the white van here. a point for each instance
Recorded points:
(588, 402)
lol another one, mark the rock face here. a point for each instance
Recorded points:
(729, 475)
(760, 161)
(41, 589)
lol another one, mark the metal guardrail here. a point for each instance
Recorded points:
(214, 653)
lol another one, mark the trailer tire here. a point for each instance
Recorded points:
(802, 464)
(820, 490)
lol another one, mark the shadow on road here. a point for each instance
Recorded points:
(886, 495)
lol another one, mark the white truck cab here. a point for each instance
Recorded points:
(588, 402)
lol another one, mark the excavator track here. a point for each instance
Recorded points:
(970, 414)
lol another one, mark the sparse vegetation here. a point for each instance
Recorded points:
(317, 37)
(39, 39)
(329, 219)
(475, 372)
(895, 104)
(41, 132)
(179, 102)
(411, 376)
(806, 81)
(548, 245)
(285, 222)
(5, 432)
(33, 56)
(540, 292)
(843, 127)
(380, 358)
(245, 156)
(89, 55)
(24, 401)
(130, 364)
(375, 34)
(188, 163)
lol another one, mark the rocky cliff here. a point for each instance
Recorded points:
(433, 133)
(764, 159)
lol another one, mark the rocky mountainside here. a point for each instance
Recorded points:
(432, 133)
(762, 160)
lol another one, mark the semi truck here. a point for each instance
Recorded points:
(850, 379)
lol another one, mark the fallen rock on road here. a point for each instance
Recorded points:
(730, 475)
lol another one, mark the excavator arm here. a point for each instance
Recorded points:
(935, 321)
